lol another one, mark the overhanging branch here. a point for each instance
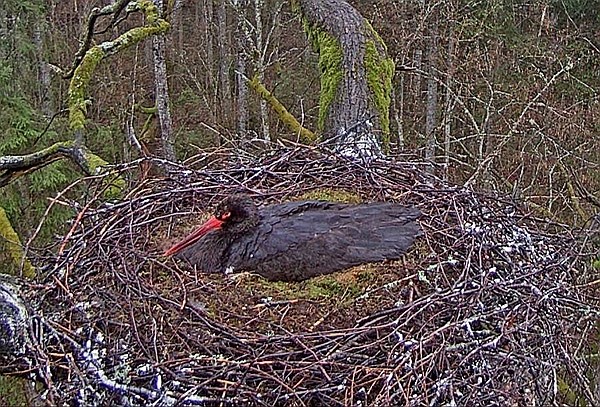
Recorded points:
(306, 136)
(15, 166)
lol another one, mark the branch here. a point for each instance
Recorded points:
(15, 166)
(487, 162)
(12, 248)
(115, 9)
(306, 136)
(85, 68)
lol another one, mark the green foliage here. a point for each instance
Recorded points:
(577, 11)
(106, 140)
(492, 20)
(15, 391)
(20, 128)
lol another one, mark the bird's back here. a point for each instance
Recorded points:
(299, 240)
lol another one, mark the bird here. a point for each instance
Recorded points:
(295, 241)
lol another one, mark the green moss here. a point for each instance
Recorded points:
(334, 195)
(330, 287)
(77, 88)
(569, 396)
(84, 72)
(306, 136)
(338, 287)
(330, 62)
(114, 183)
(12, 249)
(16, 392)
(380, 71)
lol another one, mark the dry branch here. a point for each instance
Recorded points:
(492, 307)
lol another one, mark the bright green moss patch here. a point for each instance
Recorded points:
(332, 195)
(380, 71)
(330, 63)
(77, 87)
(10, 246)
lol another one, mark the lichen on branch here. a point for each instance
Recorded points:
(306, 136)
(83, 73)
(13, 257)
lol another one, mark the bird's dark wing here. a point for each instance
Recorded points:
(290, 208)
(296, 242)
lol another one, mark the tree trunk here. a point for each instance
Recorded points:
(43, 71)
(356, 77)
(432, 100)
(14, 339)
(449, 103)
(241, 74)
(224, 86)
(162, 93)
(260, 65)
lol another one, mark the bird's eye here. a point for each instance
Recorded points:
(224, 216)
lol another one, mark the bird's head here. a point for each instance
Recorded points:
(234, 216)
(236, 211)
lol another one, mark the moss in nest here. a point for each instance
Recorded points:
(332, 195)
(347, 284)
(16, 391)
(331, 287)
(569, 395)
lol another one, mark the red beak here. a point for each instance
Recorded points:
(211, 224)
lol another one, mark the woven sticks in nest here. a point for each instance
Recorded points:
(491, 307)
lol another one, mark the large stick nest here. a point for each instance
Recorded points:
(492, 306)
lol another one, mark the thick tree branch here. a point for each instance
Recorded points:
(86, 42)
(306, 136)
(15, 166)
(12, 248)
(84, 71)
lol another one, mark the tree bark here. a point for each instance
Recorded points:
(260, 65)
(162, 93)
(43, 71)
(432, 99)
(224, 86)
(241, 74)
(356, 77)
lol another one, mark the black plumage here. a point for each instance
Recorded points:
(295, 241)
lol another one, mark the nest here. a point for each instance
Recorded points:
(492, 306)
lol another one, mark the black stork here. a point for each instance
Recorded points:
(295, 241)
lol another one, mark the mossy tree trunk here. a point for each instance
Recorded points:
(356, 76)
